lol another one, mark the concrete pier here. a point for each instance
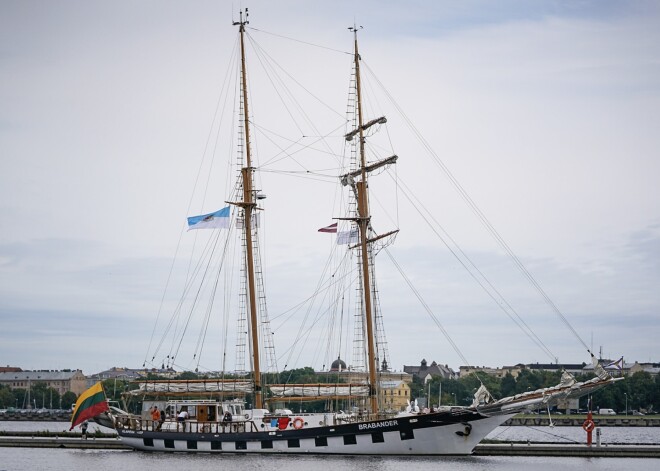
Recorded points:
(577, 420)
(484, 449)
(568, 450)
(61, 442)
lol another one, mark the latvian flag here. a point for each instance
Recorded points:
(331, 228)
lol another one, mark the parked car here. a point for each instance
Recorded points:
(636, 412)
(606, 412)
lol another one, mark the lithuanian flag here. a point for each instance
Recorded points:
(90, 404)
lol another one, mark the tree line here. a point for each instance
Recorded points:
(40, 397)
(641, 391)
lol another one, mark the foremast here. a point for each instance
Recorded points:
(249, 206)
(363, 222)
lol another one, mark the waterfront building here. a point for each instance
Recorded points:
(466, 370)
(61, 381)
(394, 395)
(572, 368)
(434, 369)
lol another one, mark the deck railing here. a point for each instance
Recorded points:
(136, 422)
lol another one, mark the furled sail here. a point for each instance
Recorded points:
(319, 390)
(192, 387)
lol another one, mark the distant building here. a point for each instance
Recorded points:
(613, 367)
(130, 374)
(61, 381)
(512, 370)
(394, 395)
(338, 365)
(351, 375)
(9, 369)
(651, 368)
(434, 369)
(572, 368)
(466, 370)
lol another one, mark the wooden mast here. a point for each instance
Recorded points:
(363, 224)
(248, 204)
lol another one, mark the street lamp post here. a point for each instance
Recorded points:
(626, 396)
(440, 395)
(454, 394)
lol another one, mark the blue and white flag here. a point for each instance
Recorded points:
(217, 220)
(348, 237)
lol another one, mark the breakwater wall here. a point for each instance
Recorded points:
(54, 415)
(578, 420)
(483, 449)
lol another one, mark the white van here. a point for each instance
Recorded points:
(606, 412)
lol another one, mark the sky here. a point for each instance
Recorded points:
(545, 112)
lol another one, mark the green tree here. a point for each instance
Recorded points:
(42, 395)
(68, 399)
(508, 385)
(114, 388)
(642, 391)
(6, 397)
(300, 375)
(188, 375)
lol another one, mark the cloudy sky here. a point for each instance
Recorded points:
(545, 112)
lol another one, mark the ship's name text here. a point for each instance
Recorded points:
(386, 423)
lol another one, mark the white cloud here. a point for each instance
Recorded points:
(545, 114)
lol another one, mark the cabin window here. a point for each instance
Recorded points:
(169, 443)
(294, 443)
(321, 441)
(377, 437)
(216, 445)
(241, 445)
(266, 444)
(407, 435)
(192, 444)
(148, 441)
(350, 440)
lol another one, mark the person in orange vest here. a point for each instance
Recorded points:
(155, 416)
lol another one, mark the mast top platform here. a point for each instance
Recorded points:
(242, 23)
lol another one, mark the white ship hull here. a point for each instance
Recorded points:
(427, 434)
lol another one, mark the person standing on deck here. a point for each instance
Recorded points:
(181, 418)
(155, 416)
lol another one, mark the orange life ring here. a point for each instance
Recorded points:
(588, 425)
(298, 423)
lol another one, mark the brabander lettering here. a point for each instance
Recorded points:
(385, 423)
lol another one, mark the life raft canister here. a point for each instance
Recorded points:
(283, 422)
(588, 425)
(298, 423)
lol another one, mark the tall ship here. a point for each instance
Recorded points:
(247, 412)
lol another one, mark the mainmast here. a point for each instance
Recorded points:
(249, 205)
(363, 225)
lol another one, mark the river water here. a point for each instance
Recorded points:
(23, 459)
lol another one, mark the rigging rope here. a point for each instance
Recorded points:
(465, 260)
(426, 307)
(299, 41)
(223, 92)
(480, 215)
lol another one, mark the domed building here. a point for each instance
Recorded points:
(338, 365)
